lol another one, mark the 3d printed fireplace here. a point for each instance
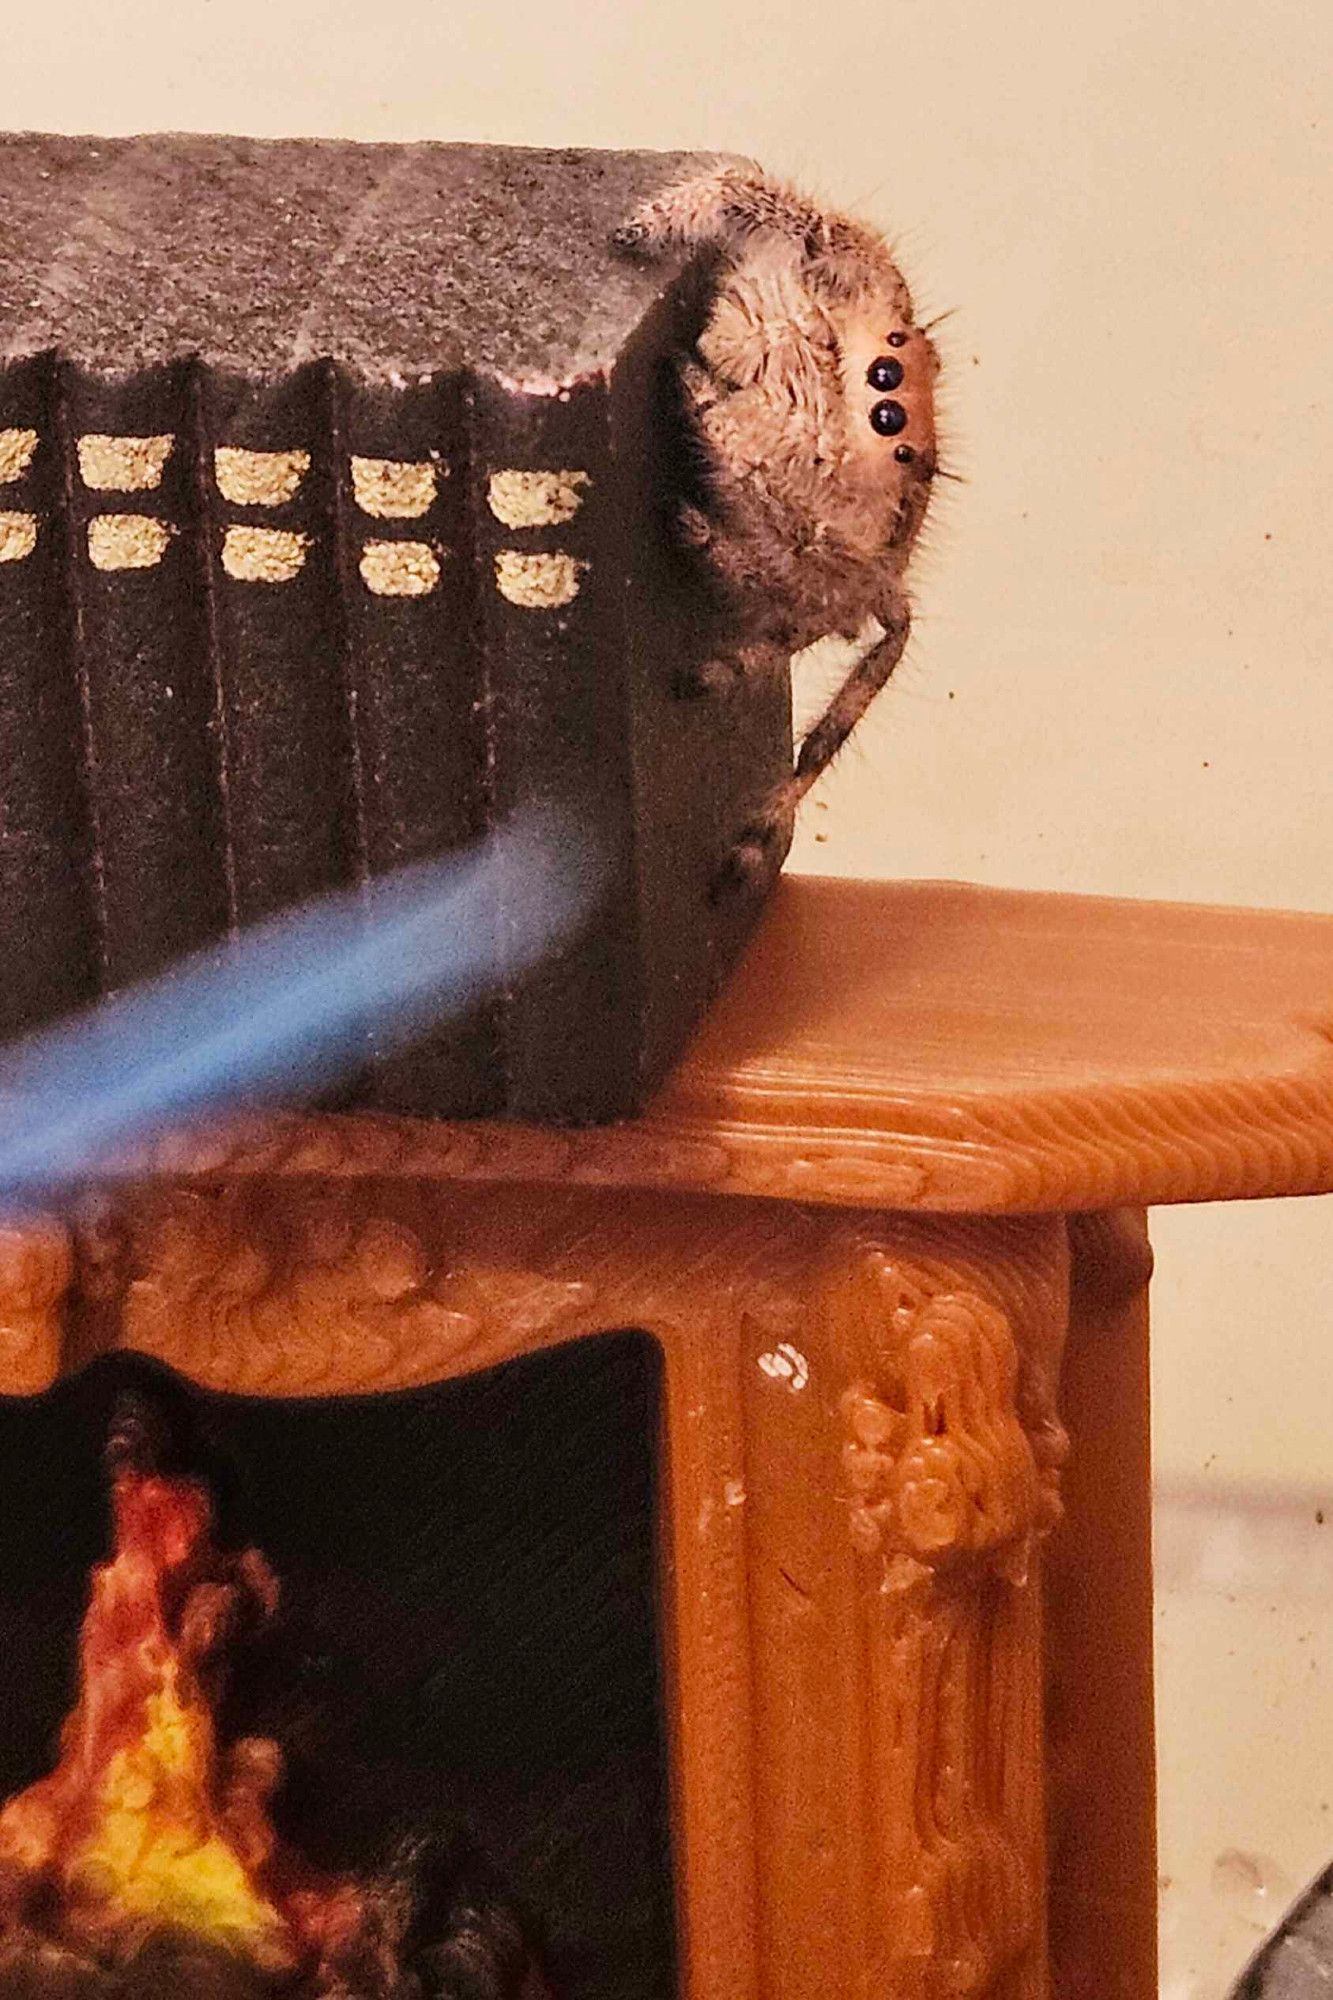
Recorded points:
(883, 1231)
(880, 1229)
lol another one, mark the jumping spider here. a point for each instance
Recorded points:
(809, 394)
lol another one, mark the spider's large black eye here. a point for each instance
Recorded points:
(888, 418)
(886, 373)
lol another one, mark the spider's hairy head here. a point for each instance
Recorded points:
(888, 367)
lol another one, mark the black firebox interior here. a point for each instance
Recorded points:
(468, 1632)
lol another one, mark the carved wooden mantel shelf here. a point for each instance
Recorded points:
(886, 1223)
(933, 1046)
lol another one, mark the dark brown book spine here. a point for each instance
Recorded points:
(704, 767)
(46, 883)
(276, 638)
(414, 687)
(550, 619)
(132, 576)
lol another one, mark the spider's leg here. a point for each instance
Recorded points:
(871, 673)
(736, 201)
(739, 201)
(758, 852)
(690, 213)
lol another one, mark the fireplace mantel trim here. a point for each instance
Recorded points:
(936, 1048)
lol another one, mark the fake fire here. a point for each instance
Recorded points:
(151, 1833)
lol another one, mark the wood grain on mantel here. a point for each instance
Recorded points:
(937, 1047)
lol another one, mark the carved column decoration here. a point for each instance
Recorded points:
(950, 1463)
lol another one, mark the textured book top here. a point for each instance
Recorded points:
(260, 255)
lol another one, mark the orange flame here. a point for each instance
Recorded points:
(148, 1821)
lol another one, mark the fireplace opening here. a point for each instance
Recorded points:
(465, 1662)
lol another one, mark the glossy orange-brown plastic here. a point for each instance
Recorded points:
(909, 1636)
(933, 1046)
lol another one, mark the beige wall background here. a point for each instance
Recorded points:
(1121, 680)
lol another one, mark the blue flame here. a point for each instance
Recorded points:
(293, 1004)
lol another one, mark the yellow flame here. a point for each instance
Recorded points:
(155, 1848)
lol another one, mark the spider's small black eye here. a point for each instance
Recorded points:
(888, 418)
(904, 454)
(896, 339)
(886, 373)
